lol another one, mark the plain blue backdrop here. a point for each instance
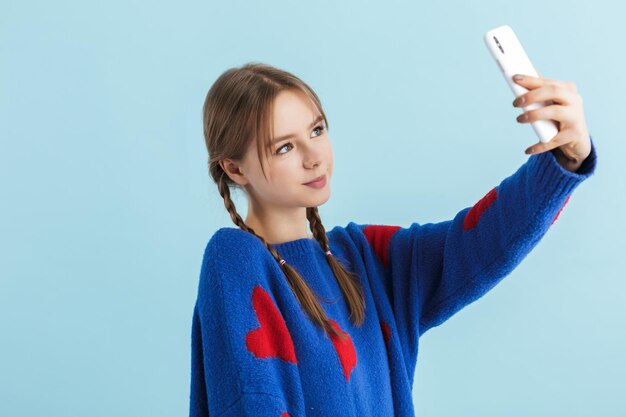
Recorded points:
(106, 204)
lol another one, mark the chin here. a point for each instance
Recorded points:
(321, 201)
(314, 201)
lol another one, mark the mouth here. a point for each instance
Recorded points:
(314, 180)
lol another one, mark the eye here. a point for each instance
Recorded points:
(279, 153)
(318, 127)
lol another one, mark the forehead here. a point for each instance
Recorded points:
(292, 111)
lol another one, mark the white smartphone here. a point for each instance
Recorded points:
(510, 56)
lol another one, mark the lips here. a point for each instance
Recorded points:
(314, 180)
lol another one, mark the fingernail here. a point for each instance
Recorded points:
(518, 101)
(518, 77)
(528, 151)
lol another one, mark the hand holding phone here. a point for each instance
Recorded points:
(507, 51)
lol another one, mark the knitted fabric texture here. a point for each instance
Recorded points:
(255, 352)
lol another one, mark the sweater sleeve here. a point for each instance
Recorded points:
(243, 360)
(431, 271)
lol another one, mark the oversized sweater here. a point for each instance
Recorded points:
(255, 352)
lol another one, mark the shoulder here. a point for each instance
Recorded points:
(233, 252)
(350, 238)
(232, 240)
(373, 240)
(350, 233)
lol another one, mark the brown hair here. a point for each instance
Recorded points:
(238, 109)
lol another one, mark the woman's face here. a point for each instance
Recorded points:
(292, 161)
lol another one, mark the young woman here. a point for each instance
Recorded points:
(262, 343)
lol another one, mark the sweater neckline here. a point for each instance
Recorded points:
(297, 246)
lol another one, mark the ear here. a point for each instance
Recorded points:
(234, 171)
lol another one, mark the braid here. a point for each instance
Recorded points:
(348, 281)
(305, 295)
(319, 232)
(230, 206)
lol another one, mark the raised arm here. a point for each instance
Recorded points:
(433, 270)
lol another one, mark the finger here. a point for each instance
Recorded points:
(554, 112)
(560, 139)
(552, 92)
(529, 82)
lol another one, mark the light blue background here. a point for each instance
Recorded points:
(106, 204)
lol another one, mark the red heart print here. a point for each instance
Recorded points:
(272, 339)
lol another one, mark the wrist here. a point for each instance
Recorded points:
(564, 161)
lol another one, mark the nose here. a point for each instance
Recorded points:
(313, 158)
(312, 163)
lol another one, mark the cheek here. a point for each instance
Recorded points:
(330, 160)
(285, 174)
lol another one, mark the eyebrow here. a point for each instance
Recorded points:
(278, 139)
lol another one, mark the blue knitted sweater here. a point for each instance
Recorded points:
(255, 352)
